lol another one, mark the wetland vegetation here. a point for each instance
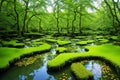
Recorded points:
(59, 40)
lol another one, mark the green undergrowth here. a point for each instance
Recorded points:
(10, 54)
(107, 51)
(80, 72)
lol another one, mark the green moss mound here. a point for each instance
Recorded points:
(10, 54)
(107, 51)
(81, 72)
(80, 37)
(114, 37)
(51, 40)
(12, 43)
(61, 49)
(61, 43)
(103, 40)
(85, 42)
(82, 43)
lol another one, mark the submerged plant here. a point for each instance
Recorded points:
(27, 61)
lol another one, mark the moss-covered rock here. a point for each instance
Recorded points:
(81, 72)
(61, 49)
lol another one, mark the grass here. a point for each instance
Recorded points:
(107, 51)
(10, 54)
(81, 72)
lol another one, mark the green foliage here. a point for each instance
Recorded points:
(81, 72)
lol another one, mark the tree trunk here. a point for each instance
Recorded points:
(80, 23)
(73, 26)
(40, 27)
(29, 21)
(17, 18)
(1, 4)
(68, 23)
(25, 16)
(113, 16)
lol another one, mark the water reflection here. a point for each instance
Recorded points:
(98, 69)
(95, 68)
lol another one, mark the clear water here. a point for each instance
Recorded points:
(36, 71)
(100, 70)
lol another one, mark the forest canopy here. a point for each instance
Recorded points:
(60, 16)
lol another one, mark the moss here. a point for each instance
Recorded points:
(107, 51)
(38, 43)
(82, 43)
(61, 43)
(10, 54)
(61, 49)
(114, 37)
(51, 40)
(36, 40)
(80, 37)
(99, 37)
(103, 40)
(81, 72)
(90, 41)
(12, 43)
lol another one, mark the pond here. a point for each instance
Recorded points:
(100, 70)
(38, 70)
(35, 67)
